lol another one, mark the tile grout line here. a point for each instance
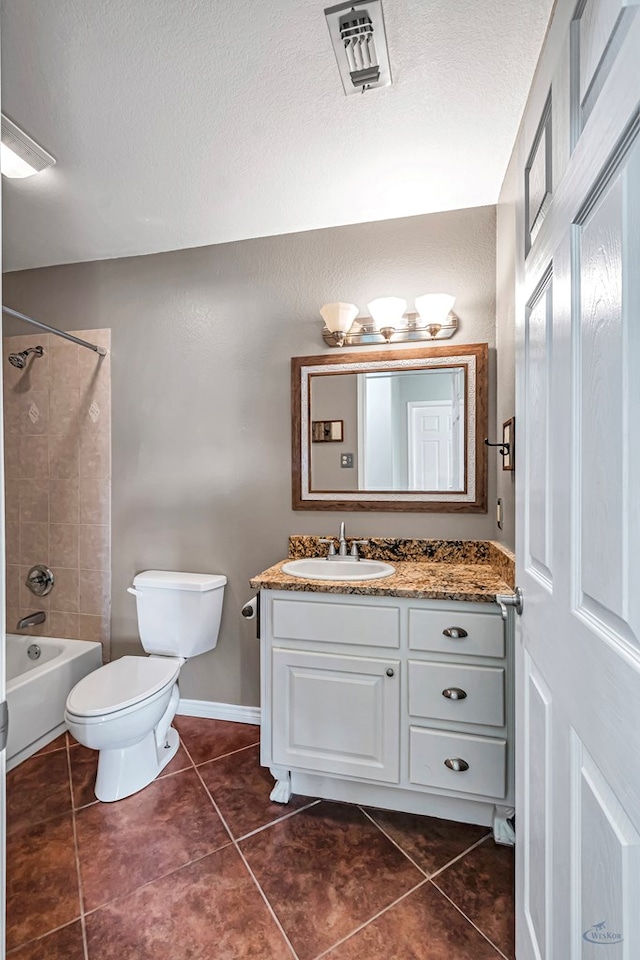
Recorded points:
(248, 868)
(83, 925)
(163, 876)
(272, 823)
(437, 872)
(271, 910)
(469, 920)
(380, 913)
(473, 846)
(222, 756)
(395, 843)
(42, 936)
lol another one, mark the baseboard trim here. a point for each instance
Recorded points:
(218, 711)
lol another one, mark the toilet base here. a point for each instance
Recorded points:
(127, 770)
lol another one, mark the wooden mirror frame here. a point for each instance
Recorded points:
(473, 499)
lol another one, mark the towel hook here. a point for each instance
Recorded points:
(504, 447)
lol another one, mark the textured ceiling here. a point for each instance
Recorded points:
(180, 123)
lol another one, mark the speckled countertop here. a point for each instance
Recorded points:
(473, 570)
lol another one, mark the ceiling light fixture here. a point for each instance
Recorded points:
(360, 45)
(434, 320)
(20, 156)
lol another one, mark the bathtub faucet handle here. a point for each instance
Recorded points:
(40, 580)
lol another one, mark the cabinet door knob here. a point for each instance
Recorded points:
(456, 633)
(390, 672)
(454, 693)
(456, 764)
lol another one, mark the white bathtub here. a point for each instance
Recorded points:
(37, 690)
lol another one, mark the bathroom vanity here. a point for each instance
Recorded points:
(396, 692)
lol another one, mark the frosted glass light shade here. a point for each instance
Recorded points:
(338, 317)
(14, 166)
(387, 311)
(434, 308)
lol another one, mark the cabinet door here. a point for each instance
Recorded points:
(336, 714)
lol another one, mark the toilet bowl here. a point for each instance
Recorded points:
(125, 708)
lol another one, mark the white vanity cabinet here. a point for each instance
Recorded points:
(393, 702)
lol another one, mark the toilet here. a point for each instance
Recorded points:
(125, 708)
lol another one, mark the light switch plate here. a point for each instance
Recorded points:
(346, 459)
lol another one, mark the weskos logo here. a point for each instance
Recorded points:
(598, 933)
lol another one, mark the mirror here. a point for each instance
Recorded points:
(391, 430)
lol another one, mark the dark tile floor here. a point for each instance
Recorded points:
(202, 866)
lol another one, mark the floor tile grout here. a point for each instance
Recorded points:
(474, 925)
(222, 756)
(380, 913)
(162, 876)
(269, 906)
(473, 846)
(424, 877)
(248, 868)
(272, 823)
(76, 850)
(394, 842)
(42, 936)
(181, 866)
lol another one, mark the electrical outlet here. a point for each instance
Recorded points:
(346, 459)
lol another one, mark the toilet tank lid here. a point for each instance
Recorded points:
(173, 580)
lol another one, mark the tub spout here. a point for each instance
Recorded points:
(32, 620)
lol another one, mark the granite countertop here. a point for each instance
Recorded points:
(472, 570)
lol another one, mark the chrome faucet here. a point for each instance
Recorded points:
(342, 552)
(32, 620)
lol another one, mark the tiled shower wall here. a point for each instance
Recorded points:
(57, 414)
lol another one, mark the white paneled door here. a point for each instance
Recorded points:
(578, 365)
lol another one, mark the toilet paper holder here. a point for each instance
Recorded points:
(251, 611)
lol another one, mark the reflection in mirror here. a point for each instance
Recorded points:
(405, 430)
(411, 429)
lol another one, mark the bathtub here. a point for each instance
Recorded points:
(37, 690)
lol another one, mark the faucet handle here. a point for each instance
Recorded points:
(332, 547)
(354, 547)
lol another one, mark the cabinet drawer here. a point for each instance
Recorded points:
(486, 759)
(480, 634)
(359, 624)
(479, 690)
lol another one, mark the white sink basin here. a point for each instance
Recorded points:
(319, 568)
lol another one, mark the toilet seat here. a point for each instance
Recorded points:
(121, 687)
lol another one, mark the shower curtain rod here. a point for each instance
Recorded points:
(59, 333)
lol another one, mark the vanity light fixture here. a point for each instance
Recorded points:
(338, 318)
(389, 323)
(387, 313)
(20, 156)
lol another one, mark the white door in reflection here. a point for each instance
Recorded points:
(430, 427)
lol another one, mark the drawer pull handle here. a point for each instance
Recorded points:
(454, 693)
(456, 633)
(456, 764)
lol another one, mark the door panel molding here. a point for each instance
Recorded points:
(538, 892)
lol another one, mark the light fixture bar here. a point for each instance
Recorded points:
(414, 330)
(20, 156)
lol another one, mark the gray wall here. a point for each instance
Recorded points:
(505, 348)
(201, 348)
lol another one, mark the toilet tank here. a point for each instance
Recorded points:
(178, 613)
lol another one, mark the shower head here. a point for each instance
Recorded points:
(19, 360)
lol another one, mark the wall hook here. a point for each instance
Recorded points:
(504, 447)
